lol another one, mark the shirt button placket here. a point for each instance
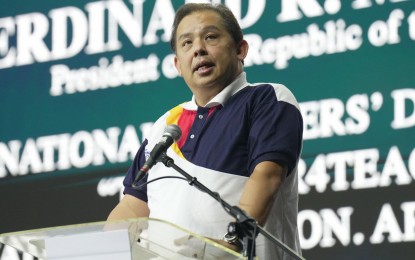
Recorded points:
(198, 125)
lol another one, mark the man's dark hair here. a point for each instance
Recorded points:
(228, 20)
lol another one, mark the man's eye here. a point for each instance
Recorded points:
(185, 43)
(211, 37)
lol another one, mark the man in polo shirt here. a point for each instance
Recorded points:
(239, 139)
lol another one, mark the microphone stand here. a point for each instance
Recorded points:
(249, 227)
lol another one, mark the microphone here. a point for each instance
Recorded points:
(171, 134)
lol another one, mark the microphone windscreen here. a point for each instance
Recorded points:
(174, 131)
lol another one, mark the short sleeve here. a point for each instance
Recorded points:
(139, 160)
(276, 131)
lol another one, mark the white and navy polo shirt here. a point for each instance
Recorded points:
(243, 125)
(221, 144)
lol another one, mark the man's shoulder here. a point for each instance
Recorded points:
(277, 90)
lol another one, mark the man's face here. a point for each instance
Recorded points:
(206, 55)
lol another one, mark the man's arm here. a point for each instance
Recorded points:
(259, 192)
(129, 207)
(261, 189)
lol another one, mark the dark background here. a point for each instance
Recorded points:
(27, 111)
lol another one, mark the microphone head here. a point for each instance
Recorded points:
(174, 131)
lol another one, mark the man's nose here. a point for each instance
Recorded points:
(199, 48)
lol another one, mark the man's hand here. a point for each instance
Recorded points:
(227, 245)
(129, 207)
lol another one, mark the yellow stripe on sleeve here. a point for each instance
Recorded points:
(173, 118)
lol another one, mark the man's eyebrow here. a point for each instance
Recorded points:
(207, 28)
(211, 27)
(183, 35)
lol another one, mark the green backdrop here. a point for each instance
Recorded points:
(82, 81)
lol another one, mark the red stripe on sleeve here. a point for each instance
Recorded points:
(185, 123)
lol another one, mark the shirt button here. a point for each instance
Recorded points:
(200, 116)
(192, 136)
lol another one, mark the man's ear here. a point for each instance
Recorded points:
(242, 49)
(177, 65)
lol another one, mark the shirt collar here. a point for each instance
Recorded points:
(220, 99)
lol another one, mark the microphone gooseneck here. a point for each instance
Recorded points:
(172, 133)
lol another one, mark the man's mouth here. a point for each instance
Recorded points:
(203, 66)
